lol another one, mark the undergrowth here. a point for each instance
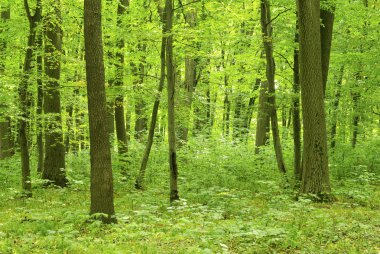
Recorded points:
(231, 202)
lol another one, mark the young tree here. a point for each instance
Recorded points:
(270, 75)
(5, 124)
(315, 177)
(54, 164)
(144, 162)
(296, 110)
(24, 96)
(119, 100)
(171, 93)
(101, 167)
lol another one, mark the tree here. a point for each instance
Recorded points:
(270, 75)
(54, 164)
(101, 168)
(24, 96)
(119, 100)
(296, 110)
(5, 124)
(315, 177)
(144, 162)
(171, 93)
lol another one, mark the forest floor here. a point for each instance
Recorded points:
(232, 202)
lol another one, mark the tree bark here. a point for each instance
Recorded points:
(262, 126)
(270, 74)
(335, 107)
(101, 167)
(327, 18)
(296, 111)
(54, 163)
(171, 99)
(315, 177)
(40, 100)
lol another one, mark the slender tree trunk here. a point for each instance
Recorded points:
(69, 124)
(335, 107)
(327, 18)
(5, 124)
(141, 120)
(270, 72)
(40, 100)
(315, 177)
(355, 119)
(23, 95)
(249, 111)
(171, 94)
(262, 126)
(54, 163)
(101, 167)
(186, 91)
(119, 101)
(296, 111)
(144, 162)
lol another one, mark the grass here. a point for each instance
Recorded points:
(232, 202)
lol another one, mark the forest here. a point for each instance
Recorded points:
(190, 126)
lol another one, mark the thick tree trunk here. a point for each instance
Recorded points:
(315, 177)
(54, 163)
(270, 73)
(296, 111)
(171, 99)
(101, 167)
(119, 101)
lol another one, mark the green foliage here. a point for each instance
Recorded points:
(232, 202)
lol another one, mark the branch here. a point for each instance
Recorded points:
(278, 15)
(286, 60)
(183, 5)
(26, 6)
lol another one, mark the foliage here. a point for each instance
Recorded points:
(232, 203)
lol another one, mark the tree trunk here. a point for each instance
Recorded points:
(186, 91)
(40, 100)
(270, 72)
(296, 111)
(24, 100)
(141, 120)
(327, 18)
(171, 94)
(315, 177)
(101, 167)
(262, 126)
(119, 101)
(335, 107)
(5, 124)
(144, 162)
(54, 163)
